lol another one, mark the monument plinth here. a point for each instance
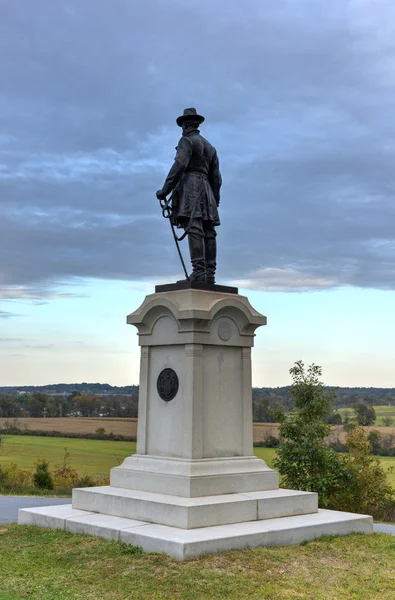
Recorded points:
(195, 420)
(194, 485)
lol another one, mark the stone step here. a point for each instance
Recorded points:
(194, 478)
(187, 543)
(190, 513)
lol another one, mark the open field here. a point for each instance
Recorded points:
(77, 425)
(95, 457)
(47, 565)
(115, 425)
(128, 427)
(381, 412)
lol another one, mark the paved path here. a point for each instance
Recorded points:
(9, 506)
(384, 528)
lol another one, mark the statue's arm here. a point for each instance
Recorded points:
(215, 178)
(183, 156)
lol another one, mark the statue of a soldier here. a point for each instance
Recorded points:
(195, 182)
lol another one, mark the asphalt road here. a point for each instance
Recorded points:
(9, 506)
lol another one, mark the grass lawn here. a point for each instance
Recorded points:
(41, 564)
(381, 412)
(96, 457)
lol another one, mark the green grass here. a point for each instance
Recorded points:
(41, 564)
(94, 457)
(381, 412)
(97, 457)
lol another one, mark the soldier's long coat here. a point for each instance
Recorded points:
(195, 180)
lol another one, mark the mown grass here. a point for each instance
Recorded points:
(96, 457)
(381, 413)
(41, 564)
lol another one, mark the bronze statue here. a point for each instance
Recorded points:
(195, 181)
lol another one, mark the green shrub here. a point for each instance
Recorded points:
(42, 477)
(375, 441)
(368, 490)
(304, 460)
(271, 441)
(85, 481)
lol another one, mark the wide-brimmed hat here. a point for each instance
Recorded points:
(189, 113)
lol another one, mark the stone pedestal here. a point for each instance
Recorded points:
(194, 484)
(199, 443)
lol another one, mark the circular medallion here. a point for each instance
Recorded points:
(225, 330)
(167, 384)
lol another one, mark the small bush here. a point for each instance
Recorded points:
(375, 441)
(14, 479)
(271, 441)
(85, 481)
(338, 446)
(366, 488)
(304, 460)
(388, 445)
(349, 426)
(100, 431)
(42, 477)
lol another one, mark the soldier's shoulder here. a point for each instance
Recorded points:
(208, 144)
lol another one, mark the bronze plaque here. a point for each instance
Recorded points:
(167, 384)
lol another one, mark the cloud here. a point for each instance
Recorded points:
(285, 280)
(4, 314)
(298, 99)
(36, 294)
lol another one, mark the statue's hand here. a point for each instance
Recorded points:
(161, 195)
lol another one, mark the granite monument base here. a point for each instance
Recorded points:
(194, 485)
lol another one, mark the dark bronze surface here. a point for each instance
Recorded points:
(196, 285)
(194, 182)
(167, 384)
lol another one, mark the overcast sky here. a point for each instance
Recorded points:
(298, 97)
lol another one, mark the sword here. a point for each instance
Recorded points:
(167, 213)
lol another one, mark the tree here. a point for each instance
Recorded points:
(364, 413)
(334, 419)
(87, 406)
(9, 408)
(42, 477)
(368, 490)
(304, 460)
(37, 403)
(388, 421)
(375, 441)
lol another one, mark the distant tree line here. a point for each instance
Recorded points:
(103, 400)
(76, 404)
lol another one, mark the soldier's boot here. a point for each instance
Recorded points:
(196, 250)
(210, 254)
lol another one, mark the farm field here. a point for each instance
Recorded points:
(115, 425)
(128, 427)
(381, 413)
(76, 424)
(95, 457)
